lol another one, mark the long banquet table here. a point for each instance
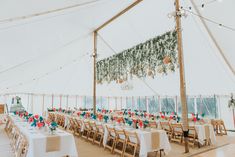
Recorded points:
(143, 135)
(38, 141)
(204, 134)
(145, 138)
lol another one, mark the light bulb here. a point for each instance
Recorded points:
(220, 25)
(202, 6)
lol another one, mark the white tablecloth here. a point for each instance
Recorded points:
(37, 141)
(202, 136)
(145, 140)
(144, 137)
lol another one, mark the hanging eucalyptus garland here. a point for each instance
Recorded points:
(157, 55)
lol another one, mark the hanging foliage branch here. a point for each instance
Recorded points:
(157, 55)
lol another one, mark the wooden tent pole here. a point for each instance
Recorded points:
(94, 55)
(60, 100)
(95, 46)
(117, 15)
(182, 76)
(43, 101)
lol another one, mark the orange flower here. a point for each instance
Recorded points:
(166, 60)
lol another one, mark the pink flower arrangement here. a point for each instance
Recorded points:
(36, 116)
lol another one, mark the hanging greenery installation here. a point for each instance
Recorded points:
(157, 55)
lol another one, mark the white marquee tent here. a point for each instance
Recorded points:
(50, 52)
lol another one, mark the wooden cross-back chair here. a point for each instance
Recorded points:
(62, 120)
(93, 131)
(51, 116)
(167, 127)
(193, 136)
(77, 127)
(133, 142)
(120, 142)
(99, 135)
(219, 127)
(87, 130)
(71, 124)
(177, 133)
(18, 142)
(110, 139)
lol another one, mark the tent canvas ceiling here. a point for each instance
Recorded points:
(52, 53)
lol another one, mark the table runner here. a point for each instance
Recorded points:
(38, 138)
(52, 143)
(207, 132)
(155, 136)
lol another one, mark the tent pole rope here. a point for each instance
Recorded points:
(213, 38)
(182, 75)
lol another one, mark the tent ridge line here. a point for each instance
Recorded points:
(213, 39)
(118, 15)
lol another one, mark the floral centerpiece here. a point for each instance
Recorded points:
(100, 117)
(140, 124)
(129, 122)
(106, 118)
(52, 126)
(36, 121)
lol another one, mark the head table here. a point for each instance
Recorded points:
(43, 144)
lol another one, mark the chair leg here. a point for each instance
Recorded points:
(123, 146)
(124, 150)
(156, 153)
(134, 150)
(113, 146)
(94, 137)
(101, 139)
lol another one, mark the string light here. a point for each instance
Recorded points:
(45, 74)
(210, 20)
(46, 12)
(203, 5)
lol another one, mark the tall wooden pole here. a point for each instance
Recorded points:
(95, 45)
(94, 55)
(182, 76)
